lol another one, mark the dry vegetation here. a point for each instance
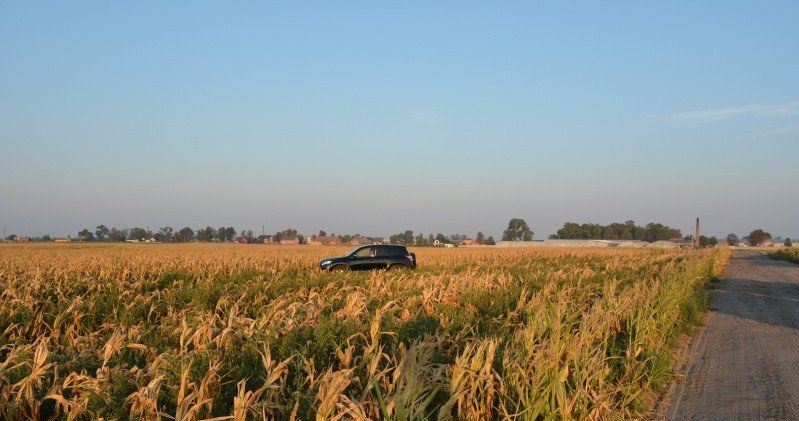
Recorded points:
(190, 332)
(790, 254)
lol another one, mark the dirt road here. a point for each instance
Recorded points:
(743, 364)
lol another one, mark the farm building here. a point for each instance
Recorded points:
(266, 239)
(63, 239)
(360, 241)
(22, 239)
(290, 241)
(578, 243)
(324, 240)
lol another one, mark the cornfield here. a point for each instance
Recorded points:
(223, 332)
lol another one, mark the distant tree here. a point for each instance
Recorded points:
(517, 231)
(490, 241)
(230, 233)
(86, 235)
(137, 233)
(11, 237)
(708, 241)
(458, 238)
(442, 239)
(788, 242)
(758, 236)
(419, 241)
(46, 237)
(286, 234)
(102, 232)
(480, 238)
(185, 235)
(732, 239)
(407, 238)
(322, 233)
(166, 234)
(626, 234)
(430, 239)
(553, 236)
(117, 236)
(346, 238)
(206, 235)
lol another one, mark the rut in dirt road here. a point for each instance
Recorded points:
(743, 364)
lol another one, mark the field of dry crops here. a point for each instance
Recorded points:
(190, 332)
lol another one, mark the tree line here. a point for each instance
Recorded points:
(183, 235)
(628, 230)
(407, 238)
(755, 238)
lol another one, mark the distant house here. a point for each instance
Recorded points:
(467, 242)
(63, 239)
(361, 241)
(240, 240)
(294, 240)
(436, 243)
(22, 239)
(266, 239)
(324, 240)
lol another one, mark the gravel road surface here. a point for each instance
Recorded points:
(743, 364)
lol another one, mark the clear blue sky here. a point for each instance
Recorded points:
(375, 117)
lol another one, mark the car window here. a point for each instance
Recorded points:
(385, 251)
(365, 252)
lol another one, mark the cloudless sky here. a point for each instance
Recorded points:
(376, 117)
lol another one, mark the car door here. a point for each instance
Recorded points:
(383, 257)
(363, 259)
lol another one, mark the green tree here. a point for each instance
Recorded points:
(517, 231)
(137, 233)
(788, 242)
(758, 236)
(732, 239)
(480, 238)
(102, 232)
(166, 234)
(322, 233)
(708, 241)
(490, 241)
(407, 238)
(117, 236)
(230, 233)
(185, 235)
(206, 234)
(86, 235)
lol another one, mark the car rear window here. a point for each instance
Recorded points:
(390, 251)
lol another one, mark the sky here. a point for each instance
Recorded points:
(377, 117)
